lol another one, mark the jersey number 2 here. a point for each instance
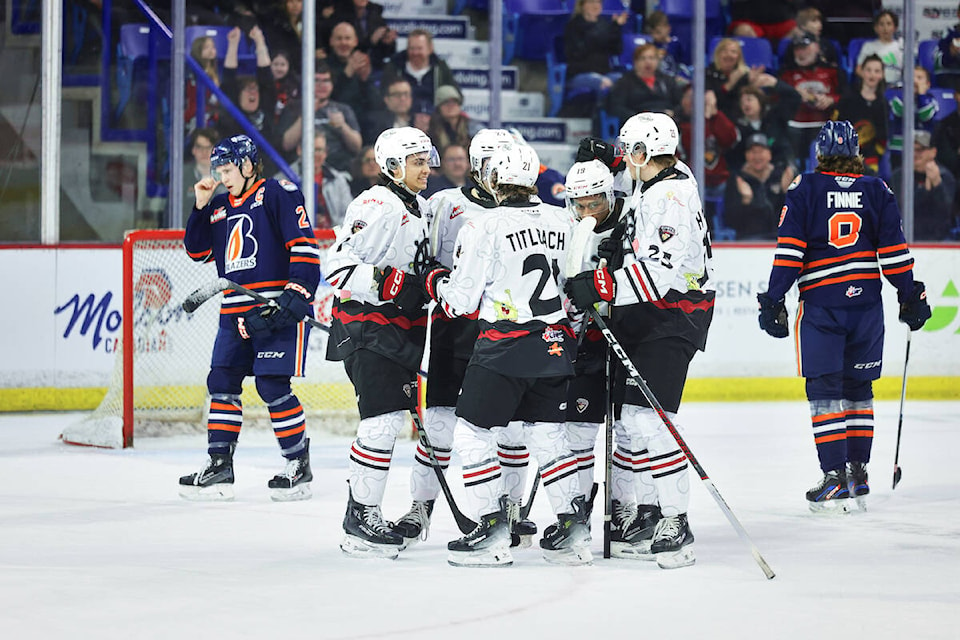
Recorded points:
(844, 229)
(302, 219)
(538, 262)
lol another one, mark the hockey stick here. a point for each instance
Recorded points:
(903, 394)
(525, 509)
(204, 293)
(634, 374)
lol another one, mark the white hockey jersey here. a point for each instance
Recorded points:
(378, 231)
(449, 209)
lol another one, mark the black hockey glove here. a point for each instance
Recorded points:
(254, 321)
(293, 305)
(398, 286)
(773, 316)
(587, 288)
(430, 272)
(611, 248)
(596, 148)
(915, 311)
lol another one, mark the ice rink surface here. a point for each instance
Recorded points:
(97, 544)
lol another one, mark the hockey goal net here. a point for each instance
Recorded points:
(158, 386)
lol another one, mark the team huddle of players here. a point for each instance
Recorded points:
(495, 279)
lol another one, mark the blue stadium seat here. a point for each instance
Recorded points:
(556, 75)
(609, 126)
(134, 45)
(680, 13)
(630, 43)
(756, 51)
(853, 52)
(529, 27)
(926, 57)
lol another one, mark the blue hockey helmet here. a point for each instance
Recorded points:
(234, 150)
(838, 138)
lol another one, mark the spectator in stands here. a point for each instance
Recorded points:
(376, 38)
(758, 115)
(353, 83)
(283, 29)
(770, 19)
(454, 168)
(286, 82)
(810, 20)
(947, 139)
(866, 109)
(933, 192)
(755, 195)
(720, 134)
(255, 96)
(589, 41)
(201, 144)
(449, 124)
(645, 87)
(204, 51)
(332, 187)
(925, 112)
(820, 85)
(885, 47)
(847, 19)
(422, 68)
(336, 119)
(657, 27)
(728, 73)
(947, 57)
(365, 171)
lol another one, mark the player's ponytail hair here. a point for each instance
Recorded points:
(515, 192)
(840, 164)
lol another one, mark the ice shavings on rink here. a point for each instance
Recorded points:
(97, 544)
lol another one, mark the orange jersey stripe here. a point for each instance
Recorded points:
(831, 438)
(824, 417)
(857, 254)
(894, 248)
(220, 426)
(846, 278)
(859, 433)
(285, 414)
(780, 262)
(793, 241)
(890, 272)
(224, 405)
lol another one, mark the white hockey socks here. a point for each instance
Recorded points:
(514, 459)
(667, 463)
(558, 465)
(439, 423)
(582, 437)
(370, 456)
(481, 468)
(622, 473)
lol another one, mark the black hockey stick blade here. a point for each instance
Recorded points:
(896, 476)
(193, 301)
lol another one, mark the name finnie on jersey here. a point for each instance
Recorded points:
(845, 199)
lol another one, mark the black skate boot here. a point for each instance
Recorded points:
(567, 541)
(213, 483)
(415, 524)
(631, 530)
(672, 544)
(859, 488)
(488, 545)
(294, 482)
(831, 495)
(521, 531)
(367, 535)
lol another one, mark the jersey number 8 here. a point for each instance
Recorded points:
(844, 229)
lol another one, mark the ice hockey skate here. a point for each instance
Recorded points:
(488, 545)
(831, 495)
(294, 483)
(672, 544)
(367, 535)
(213, 483)
(631, 530)
(858, 486)
(567, 541)
(415, 524)
(521, 531)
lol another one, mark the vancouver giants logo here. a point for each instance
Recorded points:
(241, 252)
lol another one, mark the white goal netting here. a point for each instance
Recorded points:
(158, 385)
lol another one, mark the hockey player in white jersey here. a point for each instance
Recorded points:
(663, 302)
(506, 264)
(452, 345)
(379, 324)
(590, 189)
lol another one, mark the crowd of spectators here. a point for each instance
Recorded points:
(760, 119)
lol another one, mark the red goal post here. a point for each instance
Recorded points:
(159, 382)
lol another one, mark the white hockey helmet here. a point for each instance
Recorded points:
(587, 179)
(513, 164)
(484, 143)
(394, 145)
(656, 132)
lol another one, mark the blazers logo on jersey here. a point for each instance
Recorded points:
(288, 186)
(258, 199)
(218, 215)
(666, 233)
(242, 246)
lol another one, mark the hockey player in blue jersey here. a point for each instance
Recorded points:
(259, 236)
(839, 230)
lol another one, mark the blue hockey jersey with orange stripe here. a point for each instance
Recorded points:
(838, 233)
(262, 240)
